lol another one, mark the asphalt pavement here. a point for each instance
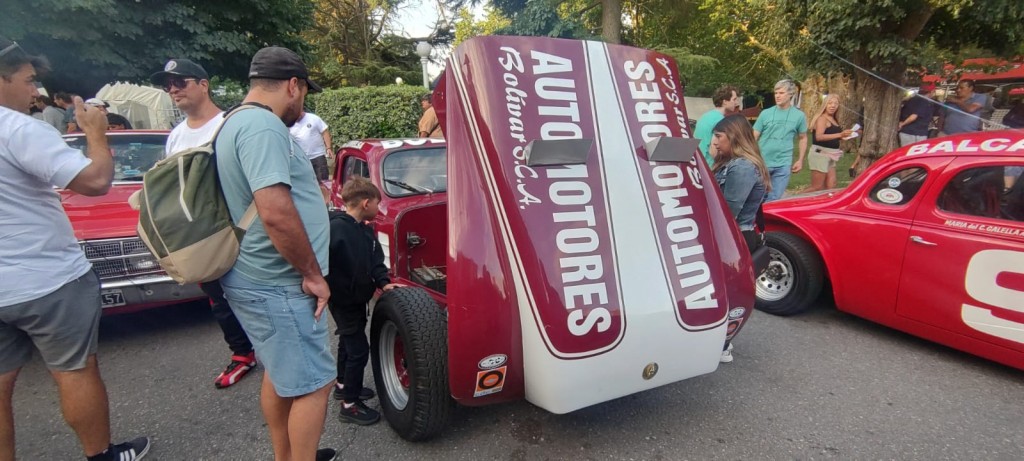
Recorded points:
(824, 385)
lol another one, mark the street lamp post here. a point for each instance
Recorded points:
(423, 50)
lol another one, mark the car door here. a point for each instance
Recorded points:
(351, 162)
(963, 271)
(864, 242)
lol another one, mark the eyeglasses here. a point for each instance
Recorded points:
(179, 83)
(12, 47)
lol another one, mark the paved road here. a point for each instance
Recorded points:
(821, 386)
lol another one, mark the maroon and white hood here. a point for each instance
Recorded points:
(619, 271)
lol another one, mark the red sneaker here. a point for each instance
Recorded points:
(239, 367)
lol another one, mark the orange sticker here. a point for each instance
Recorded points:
(489, 382)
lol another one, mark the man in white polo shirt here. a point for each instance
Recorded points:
(315, 139)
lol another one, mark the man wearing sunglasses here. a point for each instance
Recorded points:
(50, 297)
(189, 87)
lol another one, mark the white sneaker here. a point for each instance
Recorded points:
(726, 355)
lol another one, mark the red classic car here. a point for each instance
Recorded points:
(929, 240)
(564, 246)
(130, 277)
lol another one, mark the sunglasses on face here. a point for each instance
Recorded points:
(179, 83)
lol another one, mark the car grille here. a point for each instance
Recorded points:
(120, 258)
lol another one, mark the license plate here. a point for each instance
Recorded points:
(112, 298)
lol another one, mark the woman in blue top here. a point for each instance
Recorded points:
(741, 174)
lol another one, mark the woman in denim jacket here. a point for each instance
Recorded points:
(741, 174)
(740, 170)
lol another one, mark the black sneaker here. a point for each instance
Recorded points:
(359, 414)
(326, 454)
(130, 451)
(365, 394)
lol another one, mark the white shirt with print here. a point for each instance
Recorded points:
(308, 133)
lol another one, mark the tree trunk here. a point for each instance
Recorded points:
(881, 108)
(611, 21)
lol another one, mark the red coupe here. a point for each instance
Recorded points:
(929, 240)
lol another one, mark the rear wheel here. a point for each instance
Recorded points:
(409, 351)
(794, 276)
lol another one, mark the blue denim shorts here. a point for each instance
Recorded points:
(293, 346)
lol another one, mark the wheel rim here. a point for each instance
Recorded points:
(393, 366)
(777, 280)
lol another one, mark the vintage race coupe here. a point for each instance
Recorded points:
(929, 240)
(105, 226)
(565, 245)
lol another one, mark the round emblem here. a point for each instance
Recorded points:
(889, 196)
(492, 361)
(737, 313)
(894, 182)
(650, 370)
(171, 65)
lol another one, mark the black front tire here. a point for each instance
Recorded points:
(412, 384)
(794, 277)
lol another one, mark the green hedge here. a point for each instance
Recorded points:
(369, 112)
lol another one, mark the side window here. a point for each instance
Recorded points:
(353, 167)
(900, 187)
(991, 192)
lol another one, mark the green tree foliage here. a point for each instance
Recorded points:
(466, 27)
(370, 112)
(93, 42)
(542, 18)
(353, 43)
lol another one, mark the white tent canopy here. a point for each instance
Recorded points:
(145, 107)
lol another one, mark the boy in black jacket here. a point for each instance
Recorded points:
(357, 270)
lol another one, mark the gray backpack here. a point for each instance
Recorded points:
(183, 217)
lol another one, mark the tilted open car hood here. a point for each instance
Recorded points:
(597, 270)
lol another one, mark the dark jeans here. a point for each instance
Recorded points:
(320, 167)
(234, 335)
(353, 347)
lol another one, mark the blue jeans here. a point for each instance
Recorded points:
(780, 179)
(293, 346)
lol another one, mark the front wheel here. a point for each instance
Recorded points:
(794, 276)
(409, 351)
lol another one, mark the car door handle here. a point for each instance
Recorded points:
(922, 241)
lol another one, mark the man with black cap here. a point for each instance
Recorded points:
(276, 287)
(188, 84)
(50, 296)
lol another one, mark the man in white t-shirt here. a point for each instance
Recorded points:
(49, 295)
(189, 87)
(311, 133)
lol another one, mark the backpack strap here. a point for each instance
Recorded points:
(249, 216)
(250, 213)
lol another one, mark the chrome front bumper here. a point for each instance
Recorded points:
(147, 290)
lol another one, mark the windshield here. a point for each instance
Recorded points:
(133, 155)
(415, 171)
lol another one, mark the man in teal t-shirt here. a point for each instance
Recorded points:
(276, 288)
(774, 130)
(726, 99)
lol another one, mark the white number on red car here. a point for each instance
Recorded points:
(982, 285)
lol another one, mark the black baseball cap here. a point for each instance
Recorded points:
(180, 68)
(277, 63)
